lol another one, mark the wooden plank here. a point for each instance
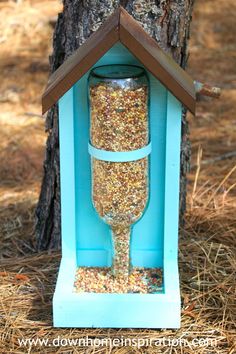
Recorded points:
(161, 65)
(171, 210)
(81, 61)
(67, 175)
(121, 26)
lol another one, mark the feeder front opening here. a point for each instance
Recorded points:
(119, 148)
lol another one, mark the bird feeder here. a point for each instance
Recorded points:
(120, 105)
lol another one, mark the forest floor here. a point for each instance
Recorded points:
(207, 243)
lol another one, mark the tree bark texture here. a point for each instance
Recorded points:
(168, 22)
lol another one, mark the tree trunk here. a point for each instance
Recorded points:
(168, 22)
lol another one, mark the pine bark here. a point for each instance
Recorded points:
(168, 22)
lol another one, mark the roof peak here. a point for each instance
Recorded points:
(120, 26)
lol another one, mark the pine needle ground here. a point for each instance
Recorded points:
(207, 243)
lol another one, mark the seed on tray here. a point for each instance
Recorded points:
(101, 280)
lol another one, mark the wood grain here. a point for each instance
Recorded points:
(121, 27)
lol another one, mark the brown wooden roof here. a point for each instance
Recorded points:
(121, 27)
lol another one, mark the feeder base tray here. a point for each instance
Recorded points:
(116, 310)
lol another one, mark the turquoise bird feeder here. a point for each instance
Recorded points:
(120, 105)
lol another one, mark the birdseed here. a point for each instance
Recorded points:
(101, 280)
(119, 122)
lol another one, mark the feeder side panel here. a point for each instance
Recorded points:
(67, 175)
(172, 181)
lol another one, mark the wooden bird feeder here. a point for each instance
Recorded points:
(120, 105)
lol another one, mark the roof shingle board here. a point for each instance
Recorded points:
(121, 27)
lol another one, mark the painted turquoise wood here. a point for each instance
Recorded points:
(110, 310)
(67, 175)
(86, 239)
(171, 206)
(172, 168)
